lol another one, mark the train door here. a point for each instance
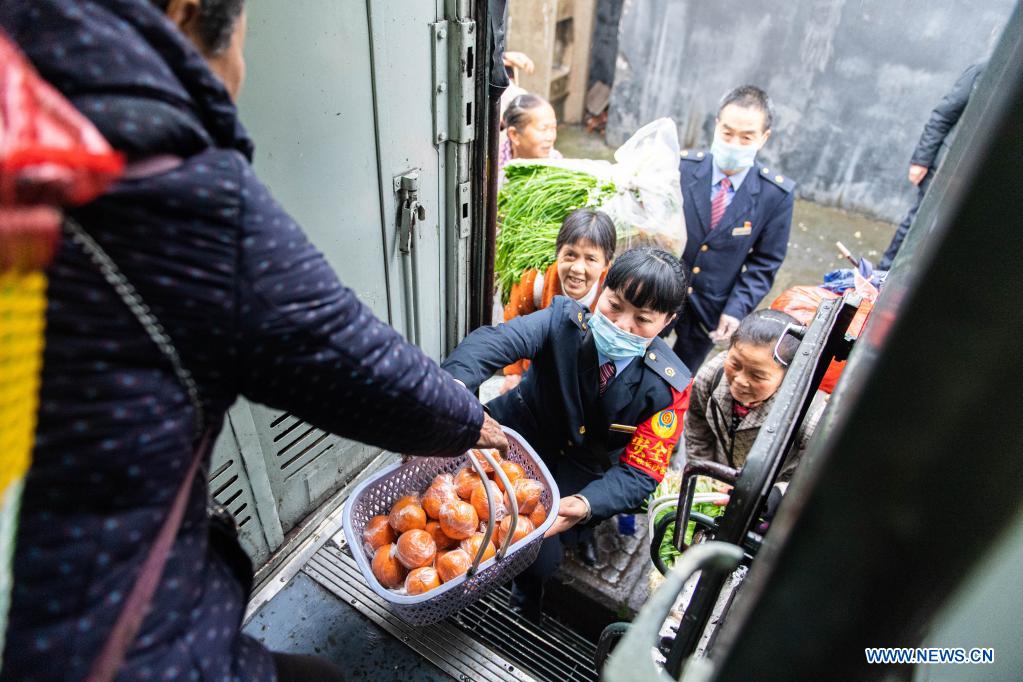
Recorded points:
(348, 103)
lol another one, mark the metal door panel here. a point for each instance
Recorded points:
(402, 51)
(308, 104)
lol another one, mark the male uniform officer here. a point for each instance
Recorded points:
(738, 215)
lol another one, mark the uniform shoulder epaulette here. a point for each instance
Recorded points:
(666, 365)
(786, 183)
(575, 311)
(692, 155)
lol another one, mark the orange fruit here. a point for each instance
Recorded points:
(459, 520)
(407, 514)
(513, 470)
(421, 580)
(452, 564)
(441, 491)
(439, 538)
(416, 548)
(465, 480)
(387, 569)
(472, 546)
(479, 501)
(527, 494)
(487, 469)
(523, 528)
(378, 532)
(538, 515)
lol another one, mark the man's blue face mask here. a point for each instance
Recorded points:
(614, 343)
(732, 157)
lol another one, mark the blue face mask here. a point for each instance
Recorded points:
(614, 343)
(732, 157)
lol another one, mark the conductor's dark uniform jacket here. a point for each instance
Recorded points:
(733, 265)
(559, 410)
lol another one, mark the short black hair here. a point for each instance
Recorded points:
(649, 278)
(763, 328)
(517, 114)
(750, 97)
(589, 225)
(217, 19)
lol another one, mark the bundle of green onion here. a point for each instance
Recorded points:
(670, 486)
(530, 206)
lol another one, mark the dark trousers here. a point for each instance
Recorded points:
(903, 228)
(528, 586)
(692, 343)
(305, 668)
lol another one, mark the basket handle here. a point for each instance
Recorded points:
(499, 472)
(478, 468)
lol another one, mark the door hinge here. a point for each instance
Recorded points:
(454, 80)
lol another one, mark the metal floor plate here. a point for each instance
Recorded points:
(485, 641)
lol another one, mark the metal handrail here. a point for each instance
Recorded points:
(632, 660)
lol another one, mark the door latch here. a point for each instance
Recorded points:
(410, 211)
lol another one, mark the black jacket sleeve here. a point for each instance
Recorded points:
(488, 349)
(308, 345)
(944, 117)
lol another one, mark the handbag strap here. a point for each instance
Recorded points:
(136, 606)
(129, 620)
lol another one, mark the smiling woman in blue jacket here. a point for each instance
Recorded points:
(602, 402)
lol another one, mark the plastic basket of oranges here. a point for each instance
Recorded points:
(434, 534)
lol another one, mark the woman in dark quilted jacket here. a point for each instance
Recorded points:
(252, 308)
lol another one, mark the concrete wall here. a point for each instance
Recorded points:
(853, 82)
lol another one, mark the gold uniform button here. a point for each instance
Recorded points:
(689, 290)
(580, 317)
(670, 371)
(766, 171)
(684, 152)
(704, 248)
(778, 178)
(699, 155)
(696, 270)
(582, 430)
(652, 356)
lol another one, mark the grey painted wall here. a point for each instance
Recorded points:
(853, 82)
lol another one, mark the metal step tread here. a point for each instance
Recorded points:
(485, 641)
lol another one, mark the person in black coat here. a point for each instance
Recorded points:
(738, 215)
(934, 142)
(252, 308)
(592, 379)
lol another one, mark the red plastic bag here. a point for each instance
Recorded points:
(801, 303)
(50, 156)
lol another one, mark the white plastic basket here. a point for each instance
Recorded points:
(377, 495)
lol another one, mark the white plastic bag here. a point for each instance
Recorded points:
(647, 203)
(647, 206)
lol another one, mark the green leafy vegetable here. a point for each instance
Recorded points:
(531, 205)
(671, 485)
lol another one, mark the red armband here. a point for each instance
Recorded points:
(655, 438)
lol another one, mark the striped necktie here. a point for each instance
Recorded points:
(717, 207)
(607, 372)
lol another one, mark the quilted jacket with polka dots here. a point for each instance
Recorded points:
(253, 309)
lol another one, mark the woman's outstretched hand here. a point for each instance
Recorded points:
(571, 510)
